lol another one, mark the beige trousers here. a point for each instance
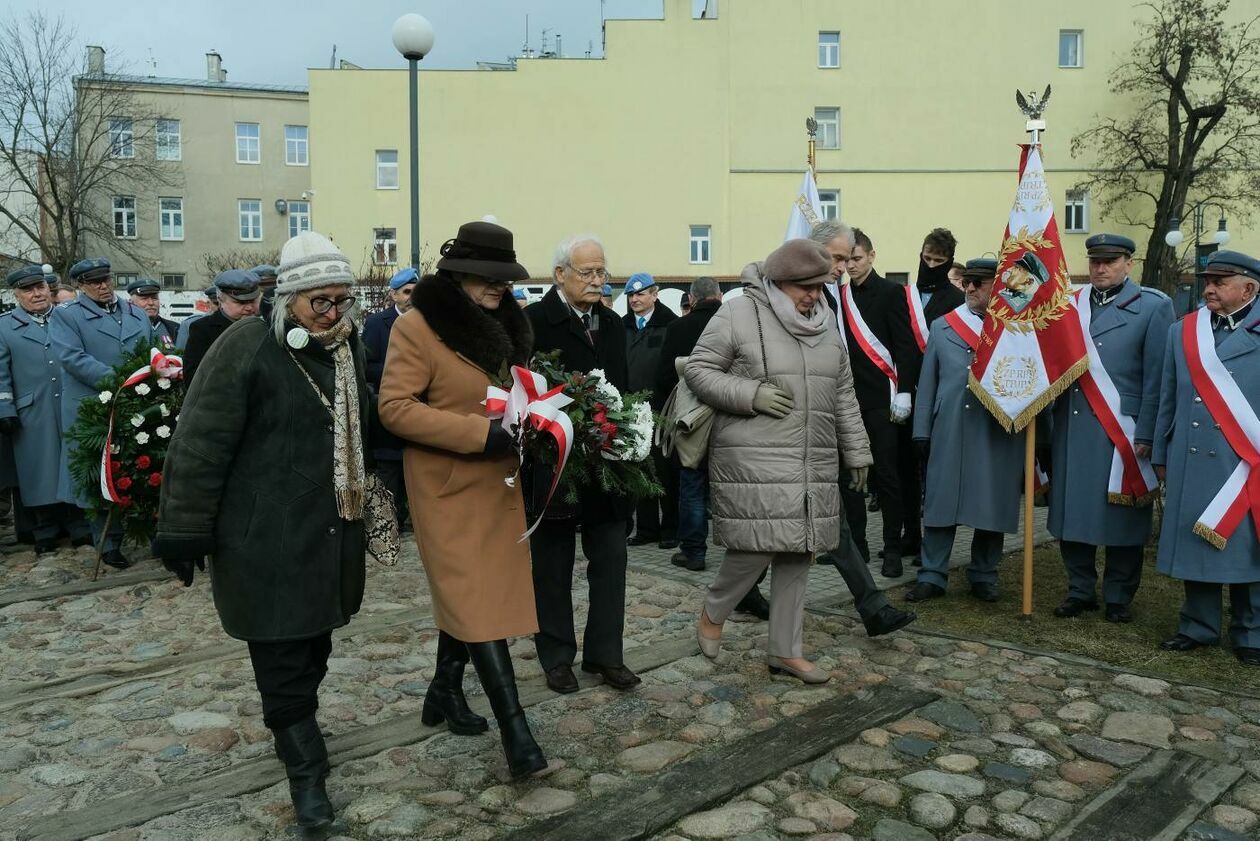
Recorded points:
(789, 573)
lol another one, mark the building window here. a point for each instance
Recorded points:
(169, 144)
(829, 201)
(1071, 48)
(125, 217)
(121, 139)
(248, 146)
(172, 281)
(295, 146)
(299, 217)
(385, 246)
(121, 279)
(828, 49)
(249, 212)
(1075, 219)
(701, 243)
(828, 127)
(387, 169)
(171, 218)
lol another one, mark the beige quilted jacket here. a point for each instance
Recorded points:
(774, 482)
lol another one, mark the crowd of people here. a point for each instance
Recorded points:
(307, 440)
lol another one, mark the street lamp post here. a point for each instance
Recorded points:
(1174, 238)
(413, 37)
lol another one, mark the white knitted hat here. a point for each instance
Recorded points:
(309, 261)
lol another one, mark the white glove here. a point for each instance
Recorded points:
(900, 408)
(857, 479)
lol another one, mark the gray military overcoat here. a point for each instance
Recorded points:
(1199, 460)
(975, 468)
(89, 342)
(31, 383)
(1129, 335)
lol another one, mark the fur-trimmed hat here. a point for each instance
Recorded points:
(312, 261)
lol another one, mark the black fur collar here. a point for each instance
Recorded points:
(487, 338)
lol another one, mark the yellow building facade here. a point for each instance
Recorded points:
(693, 125)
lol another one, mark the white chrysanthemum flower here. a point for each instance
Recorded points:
(137, 421)
(143, 389)
(142, 437)
(163, 432)
(163, 383)
(166, 413)
(115, 449)
(105, 396)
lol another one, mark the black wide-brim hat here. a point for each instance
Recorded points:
(483, 249)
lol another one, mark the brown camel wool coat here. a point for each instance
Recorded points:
(468, 522)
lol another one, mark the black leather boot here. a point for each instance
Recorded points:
(301, 748)
(493, 663)
(445, 699)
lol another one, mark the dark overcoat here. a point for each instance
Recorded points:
(31, 381)
(1199, 460)
(249, 481)
(643, 349)
(975, 468)
(376, 331)
(680, 340)
(1129, 335)
(202, 333)
(556, 327)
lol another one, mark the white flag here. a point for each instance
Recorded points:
(806, 211)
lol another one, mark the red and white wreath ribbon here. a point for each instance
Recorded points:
(1229, 408)
(530, 401)
(163, 365)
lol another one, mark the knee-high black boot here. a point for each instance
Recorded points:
(445, 699)
(301, 748)
(493, 663)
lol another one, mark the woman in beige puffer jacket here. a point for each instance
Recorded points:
(774, 367)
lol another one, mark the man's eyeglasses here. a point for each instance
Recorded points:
(590, 274)
(322, 306)
(977, 282)
(100, 281)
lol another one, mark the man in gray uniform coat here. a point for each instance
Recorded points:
(974, 466)
(91, 334)
(1207, 448)
(1128, 326)
(31, 382)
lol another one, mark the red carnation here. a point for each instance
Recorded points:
(124, 501)
(600, 416)
(155, 479)
(144, 462)
(123, 483)
(608, 428)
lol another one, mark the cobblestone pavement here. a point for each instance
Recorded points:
(134, 690)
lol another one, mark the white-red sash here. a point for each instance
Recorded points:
(1238, 422)
(918, 321)
(1132, 480)
(867, 340)
(966, 324)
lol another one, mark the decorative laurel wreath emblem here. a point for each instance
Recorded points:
(1030, 317)
(1015, 377)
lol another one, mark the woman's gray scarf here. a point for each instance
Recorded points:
(807, 328)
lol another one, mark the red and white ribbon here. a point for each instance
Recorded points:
(918, 320)
(1132, 481)
(867, 340)
(168, 366)
(530, 401)
(1238, 422)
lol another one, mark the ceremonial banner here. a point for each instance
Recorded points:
(1031, 348)
(806, 210)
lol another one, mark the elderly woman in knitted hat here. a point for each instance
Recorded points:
(266, 474)
(463, 332)
(773, 365)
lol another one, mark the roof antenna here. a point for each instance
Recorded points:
(152, 63)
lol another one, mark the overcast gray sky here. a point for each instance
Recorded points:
(275, 41)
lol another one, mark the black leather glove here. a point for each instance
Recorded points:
(922, 447)
(498, 440)
(182, 568)
(8, 426)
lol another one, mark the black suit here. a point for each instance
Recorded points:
(656, 518)
(884, 308)
(602, 516)
(201, 335)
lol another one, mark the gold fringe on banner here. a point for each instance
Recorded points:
(1030, 412)
(1210, 535)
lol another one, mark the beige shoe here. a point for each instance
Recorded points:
(709, 648)
(779, 667)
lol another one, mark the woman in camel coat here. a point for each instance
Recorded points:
(463, 330)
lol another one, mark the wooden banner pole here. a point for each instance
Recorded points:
(1030, 471)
